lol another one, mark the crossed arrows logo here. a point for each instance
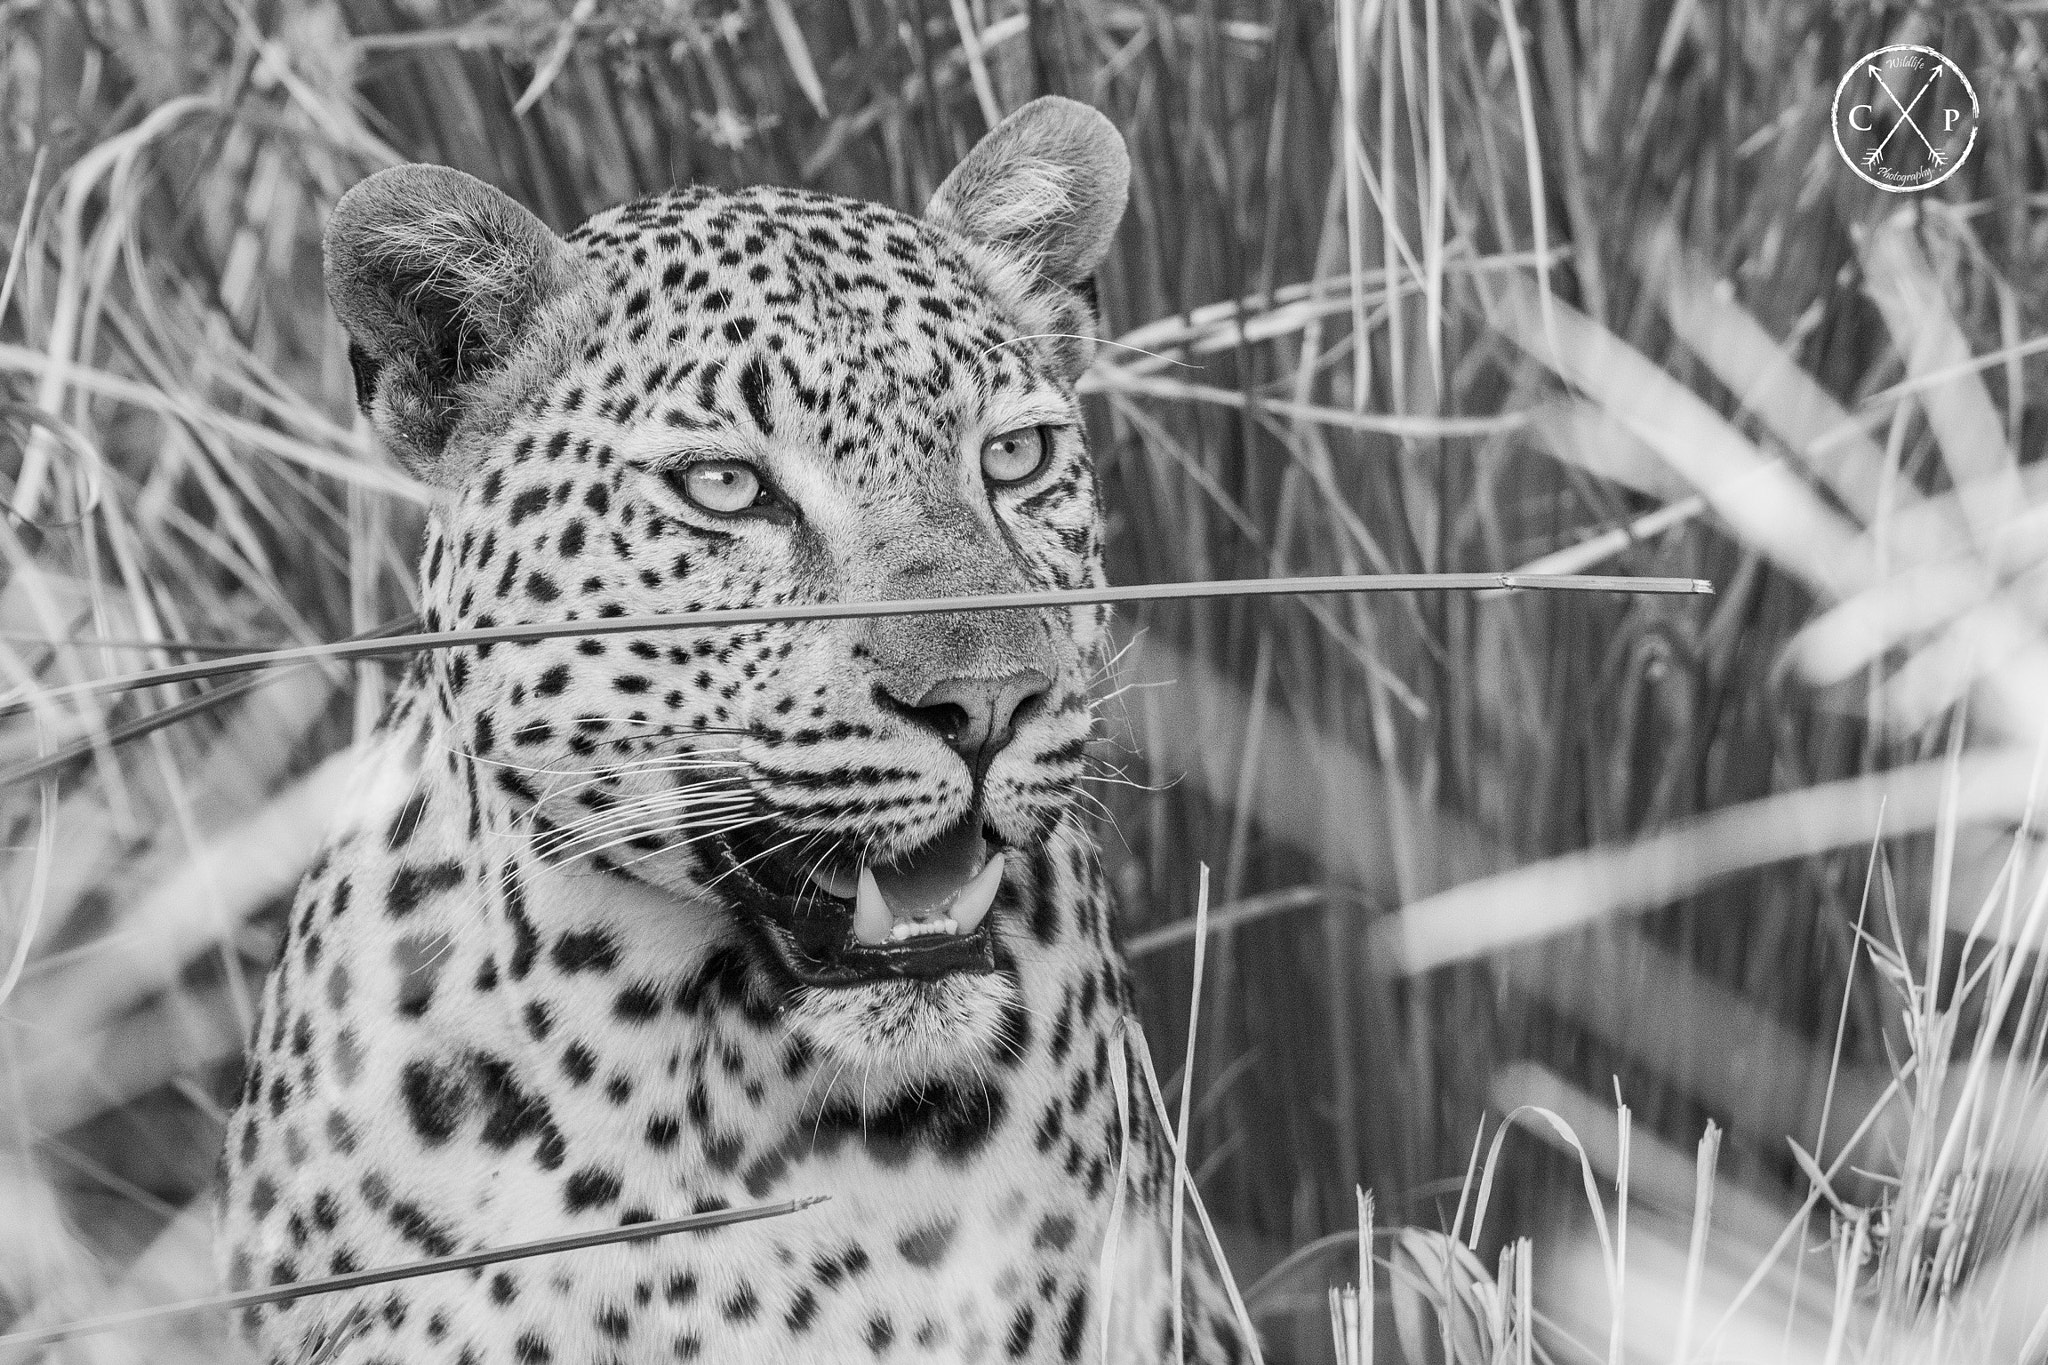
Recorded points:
(1905, 110)
(1939, 116)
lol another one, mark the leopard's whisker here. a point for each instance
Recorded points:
(574, 791)
(810, 881)
(825, 1100)
(1108, 663)
(632, 825)
(666, 798)
(694, 837)
(1119, 780)
(749, 860)
(666, 801)
(583, 778)
(658, 809)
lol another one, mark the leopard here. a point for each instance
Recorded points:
(620, 926)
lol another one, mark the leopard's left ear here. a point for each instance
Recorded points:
(443, 285)
(1046, 186)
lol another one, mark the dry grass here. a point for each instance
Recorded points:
(1415, 286)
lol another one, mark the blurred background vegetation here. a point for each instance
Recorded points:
(1406, 285)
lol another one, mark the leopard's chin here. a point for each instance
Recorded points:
(889, 1036)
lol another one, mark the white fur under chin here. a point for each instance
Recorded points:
(878, 1040)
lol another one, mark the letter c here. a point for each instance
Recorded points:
(1859, 127)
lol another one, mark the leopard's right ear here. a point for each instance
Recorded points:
(1041, 195)
(1046, 185)
(440, 281)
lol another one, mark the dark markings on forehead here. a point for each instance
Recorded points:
(843, 263)
(833, 324)
(754, 384)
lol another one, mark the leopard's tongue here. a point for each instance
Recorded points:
(944, 888)
(925, 881)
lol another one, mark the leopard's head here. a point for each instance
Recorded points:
(709, 400)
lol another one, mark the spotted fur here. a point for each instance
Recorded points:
(516, 997)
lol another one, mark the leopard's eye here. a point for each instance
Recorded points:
(1015, 456)
(726, 487)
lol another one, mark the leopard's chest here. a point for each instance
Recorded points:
(460, 1051)
(965, 1221)
(913, 1262)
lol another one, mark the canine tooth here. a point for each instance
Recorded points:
(970, 907)
(871, 917)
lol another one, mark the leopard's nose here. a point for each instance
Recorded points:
(976, 717)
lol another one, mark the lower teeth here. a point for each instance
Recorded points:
(922, 928)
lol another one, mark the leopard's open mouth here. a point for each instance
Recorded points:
(833, 920)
